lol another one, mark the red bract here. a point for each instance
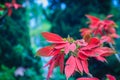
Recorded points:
(75, 64)
(53, 38)
(57, 60)
(81, 43)
(94, 21)
(85, 31)
(12, 4)
(48, 51)
(85, 66)
(69, 47)
(70, 66)
(102, 52)
(107, 39)
(83, 78)
(94, 49)
(57, 49)
(110, 77)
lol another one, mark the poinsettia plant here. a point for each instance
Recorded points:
(79, 51)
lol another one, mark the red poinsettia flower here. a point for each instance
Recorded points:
(93, 49)
(102, 27)
(84, 78)
(12, 4)
(110, 77)
(79, 50)
(57, 49)
(78, 62)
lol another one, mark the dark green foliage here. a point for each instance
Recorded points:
(6, 73)
(15, 47)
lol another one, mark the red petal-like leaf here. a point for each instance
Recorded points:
(45, 51)
(85, 66)
(70, 66)
(72, 47)
(87, 78)
(85, 31)
(16, 6)
(49, 63)
(51, 37)
(92, 18)
(67, 48)
(94, 41)
(94, 21)
(61, 62)
(81, 42)
(59, 46)
(8, 5)
(114, 35)
(112, 30)
(82, 55)
(54, 52)
(79, 65)
(107, 39)
(50, 69)
(100, 58)
(107, 51)
(110, 77)
(9, 12)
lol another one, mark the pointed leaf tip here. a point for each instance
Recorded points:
(70, 66)
(53, 38)
(92, 18)
(44, 51)
(110, 77)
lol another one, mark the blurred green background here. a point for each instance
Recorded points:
(20, 36)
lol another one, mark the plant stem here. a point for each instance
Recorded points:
(90, 75)
(116, 55)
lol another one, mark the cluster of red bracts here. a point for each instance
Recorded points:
(79, 51)
(104, 28)
(11, 5)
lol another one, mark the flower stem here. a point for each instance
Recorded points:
(116, 55)
(90, 75)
